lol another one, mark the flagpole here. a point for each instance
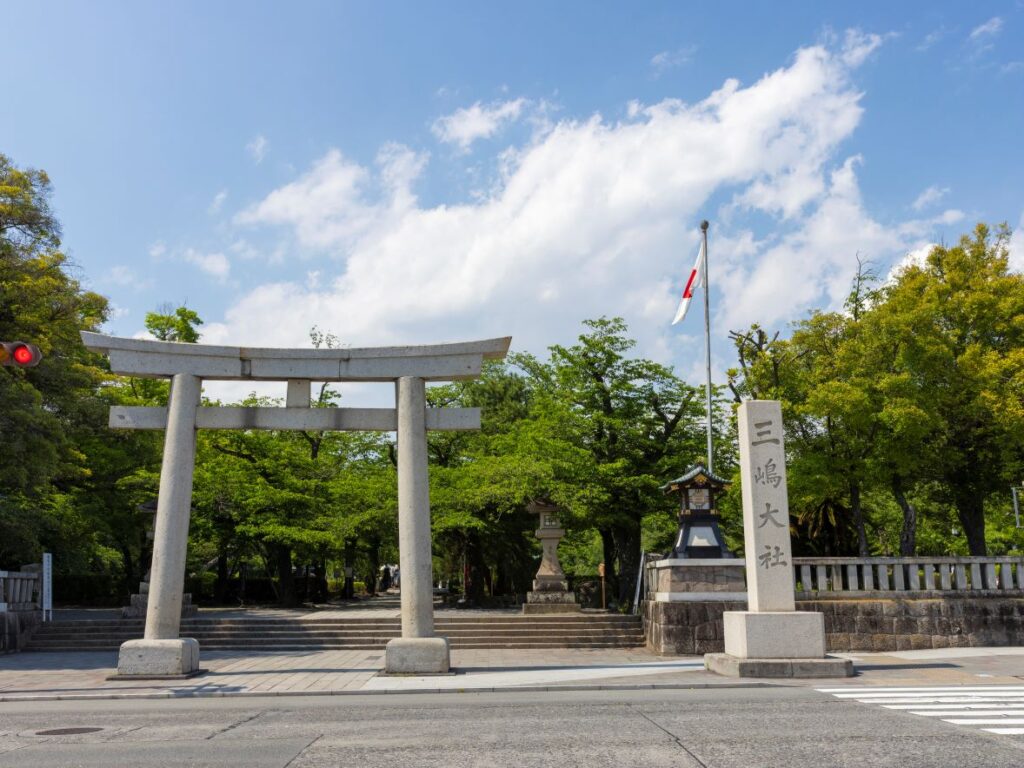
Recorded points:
(707, 342)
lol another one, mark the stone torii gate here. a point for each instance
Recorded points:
(161, 652)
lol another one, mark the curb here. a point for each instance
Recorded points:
(112, 696)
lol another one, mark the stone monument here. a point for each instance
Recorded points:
(161, 652)
(551, 593)
(771, 638)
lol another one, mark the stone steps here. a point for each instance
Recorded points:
(497, 631)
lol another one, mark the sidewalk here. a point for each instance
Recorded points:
(55, 676)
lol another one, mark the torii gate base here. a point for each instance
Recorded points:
(162, 653)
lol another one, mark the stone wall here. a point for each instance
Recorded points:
(687, 628)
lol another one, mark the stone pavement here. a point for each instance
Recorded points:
(83, 675)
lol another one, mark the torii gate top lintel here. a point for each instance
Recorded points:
(163, 359)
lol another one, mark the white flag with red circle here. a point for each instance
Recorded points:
(692, 284)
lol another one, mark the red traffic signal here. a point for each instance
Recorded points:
(19, 354)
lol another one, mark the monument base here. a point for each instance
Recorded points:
(417, 656)
(551, 601)
(774, 634)
(162, 659)
(775, 644)
(732, 666)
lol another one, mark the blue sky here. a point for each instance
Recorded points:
(415, 172)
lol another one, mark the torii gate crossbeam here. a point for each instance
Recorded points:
(161, 652)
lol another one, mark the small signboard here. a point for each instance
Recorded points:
(46, 591)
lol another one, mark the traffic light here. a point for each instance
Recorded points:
(19, 354)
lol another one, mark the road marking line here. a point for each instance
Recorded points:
(949, 705)
(938, 694)
(1005, 731)
(993, 721)
(917, 703)
(935, 688)
(968, 713)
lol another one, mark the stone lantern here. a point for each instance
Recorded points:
(700, 577)
(699, 535)
(551, 593)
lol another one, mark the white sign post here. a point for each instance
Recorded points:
(772, 638)
(46, 589)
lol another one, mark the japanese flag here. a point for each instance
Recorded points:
(692, 284)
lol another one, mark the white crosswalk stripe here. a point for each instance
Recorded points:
(991, 708)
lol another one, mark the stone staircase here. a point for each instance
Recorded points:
(477, 630)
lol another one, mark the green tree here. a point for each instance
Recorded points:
(614, 428)
(177, 324)
(43, 410)
(956, 323)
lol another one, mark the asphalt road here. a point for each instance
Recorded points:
(784, 727)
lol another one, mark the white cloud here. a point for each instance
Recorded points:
(126, 277)
(121, 275)
(989, 29)
(950, 216)
(214, 264)
(257, 148)
(858, 45)
(480, 121)
(932, 38)
(929, 197)
(666, 60)
(916, 256)
(157, 250)
(338, 201)
(1016, 246)
(218, 202)
(117, 312)
(594, 217)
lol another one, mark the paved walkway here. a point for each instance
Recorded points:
(83, 675)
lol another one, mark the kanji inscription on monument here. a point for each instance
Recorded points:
(765, 507)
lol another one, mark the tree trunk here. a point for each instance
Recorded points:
(858, 519)
(348, 591)
(627, 545)
(908, 533)
(503, 578)
(373, 555)
(320, 591)
(128, 564)
(475, 570)
(285, 579)
(221, 587)
(971, 511)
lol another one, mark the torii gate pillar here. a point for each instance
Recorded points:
(162, 652)
(417, 651)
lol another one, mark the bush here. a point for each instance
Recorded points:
(89, 589)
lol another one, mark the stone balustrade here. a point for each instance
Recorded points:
(817, 578)
(19, 591)
(823, 578)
